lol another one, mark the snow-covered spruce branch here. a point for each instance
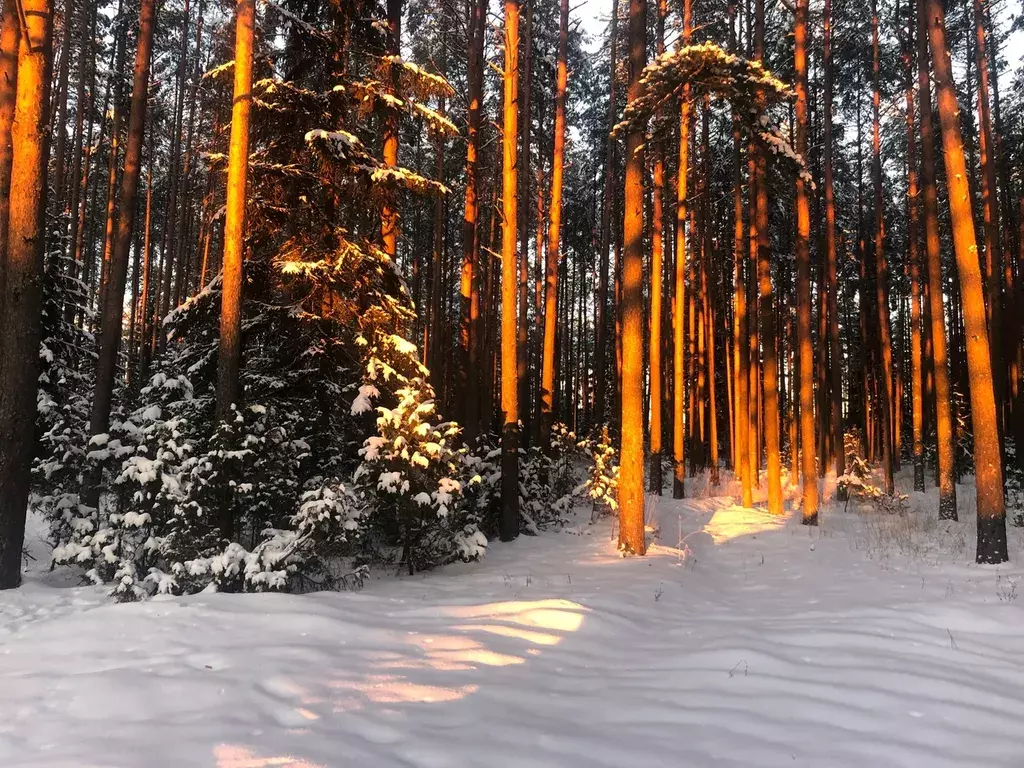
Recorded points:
(709, 69)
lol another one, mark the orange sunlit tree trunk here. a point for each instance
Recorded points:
(229, 389)
(805, 344)
(881, 276)
(21, 300)
(509, 518)
(914, 259)
(657, 259)
(10, 35)
(742, 320)
(770, 367)
(631, 472)
(988, 470)
(933, 270)
(679, 284)
(469, 327)
(554, 236)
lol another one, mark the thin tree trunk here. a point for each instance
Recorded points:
(389, 215)
(770, 368)
(469, 328)
(601, 343)
(881, 275)
(804, 340)
(679, 287)
(657, 258)
(112, 310)
(914, 259)
(554, 234)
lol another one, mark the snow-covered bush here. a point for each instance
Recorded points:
(602, 484)
(411, 469)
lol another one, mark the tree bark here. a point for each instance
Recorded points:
(229, 357)
(113, 310)
(21, 303)
(933, 256)
(988, 470)
(631, 471)
(554, 234)
(805, 342)
(509, 519)
(679, 286)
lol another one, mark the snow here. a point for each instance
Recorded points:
(741, 640)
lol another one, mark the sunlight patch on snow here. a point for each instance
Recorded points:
(236, 756)
(733, 522)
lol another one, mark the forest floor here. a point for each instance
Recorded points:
(741, 640)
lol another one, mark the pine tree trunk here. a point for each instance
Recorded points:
(523, 235)
(657, 258)
(880, 275)
(509, 518)
(389, 215)
(933, 255)
(554, 235)
(679, 287)
(21, 301)
(804, 340)
(229, 357)
(988, 468)
(601, 341)
(914, 260)
(631, 472)
(469, 327)
(112, 311)
(742, 320)
(10, 36)
(770, 365)
(990, 215)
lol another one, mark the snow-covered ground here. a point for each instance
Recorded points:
(741, 640)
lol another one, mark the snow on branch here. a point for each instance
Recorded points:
(709, 69)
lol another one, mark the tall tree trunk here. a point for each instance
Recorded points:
(21, 302)
(742, 320)
(60, 123)
(508, 521)
(10, 37)
(631, 471)
(229, 356)
(112, 310)
(988, 470)
(914, 259)
(554, 234)
(389, 215)
(657, 257)
(113, 152)
(523, 235)
(804, 340)
(601, 342)
(679, 284)
(933, 255)
(770, 368)
(881, 275)
(469, 330)
(990, 216)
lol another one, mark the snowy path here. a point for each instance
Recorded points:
(764, 644)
